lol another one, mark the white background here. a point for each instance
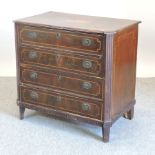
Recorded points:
(143, 10)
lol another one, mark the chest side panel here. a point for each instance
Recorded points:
(124, 69)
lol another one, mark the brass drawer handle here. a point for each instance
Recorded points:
(87, 64)
(86, 42)
(33, 55)
(34, 95)
(33, 75)
(54, 100)
(86, 85)
(31, 35)
(58, 35)
(85, 106)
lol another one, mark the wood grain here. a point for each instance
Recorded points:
(124, 69)
(75, 22)
(60, 102)
(63, 61)
(67, 40)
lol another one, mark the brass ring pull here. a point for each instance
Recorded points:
(31, 35)
(32, 55)
(87, 64)
(85, 106)
(33, 75)
(86, 42)
(34, 95)
(86, 85)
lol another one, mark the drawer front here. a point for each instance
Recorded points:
(62, 39)
(92, 87)
(59, 102)
(54, 59)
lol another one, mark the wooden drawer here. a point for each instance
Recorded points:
(62, 39)
(64, 81)
(72, 62)
(59, 102)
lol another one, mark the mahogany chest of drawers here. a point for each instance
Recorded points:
(76, 67)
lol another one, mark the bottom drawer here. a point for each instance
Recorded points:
(61, 102)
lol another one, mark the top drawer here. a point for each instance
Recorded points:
(39, 36)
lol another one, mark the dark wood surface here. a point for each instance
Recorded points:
(78, 22)
(79, 72)
(124, 69)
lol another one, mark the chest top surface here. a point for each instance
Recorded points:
(78, 22)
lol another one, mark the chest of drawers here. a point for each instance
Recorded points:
(76, 67)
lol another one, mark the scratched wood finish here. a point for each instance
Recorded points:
(54, 51)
